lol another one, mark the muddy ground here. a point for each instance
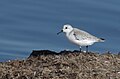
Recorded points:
(45, 64)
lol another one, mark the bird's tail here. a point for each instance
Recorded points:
(101, 40)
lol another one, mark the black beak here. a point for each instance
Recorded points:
(59, 32)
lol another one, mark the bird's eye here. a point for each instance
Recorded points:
(65, 27)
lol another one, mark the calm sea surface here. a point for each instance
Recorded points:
(26, 25)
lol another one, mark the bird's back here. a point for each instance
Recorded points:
(80, 34)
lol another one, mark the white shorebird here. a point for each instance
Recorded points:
(79, 37)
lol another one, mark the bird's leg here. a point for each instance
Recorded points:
(87, 49)
(80, 49)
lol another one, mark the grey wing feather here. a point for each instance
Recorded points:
(82, 35)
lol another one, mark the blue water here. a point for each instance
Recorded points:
(26, 25)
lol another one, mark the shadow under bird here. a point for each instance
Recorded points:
(79, 37)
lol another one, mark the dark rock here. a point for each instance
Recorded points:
(37, 53)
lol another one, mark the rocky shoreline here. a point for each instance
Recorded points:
(46, 64)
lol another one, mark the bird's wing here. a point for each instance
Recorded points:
(82, 35)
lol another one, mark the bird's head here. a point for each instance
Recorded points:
(67, 28)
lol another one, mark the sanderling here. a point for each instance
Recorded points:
(79, 37)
